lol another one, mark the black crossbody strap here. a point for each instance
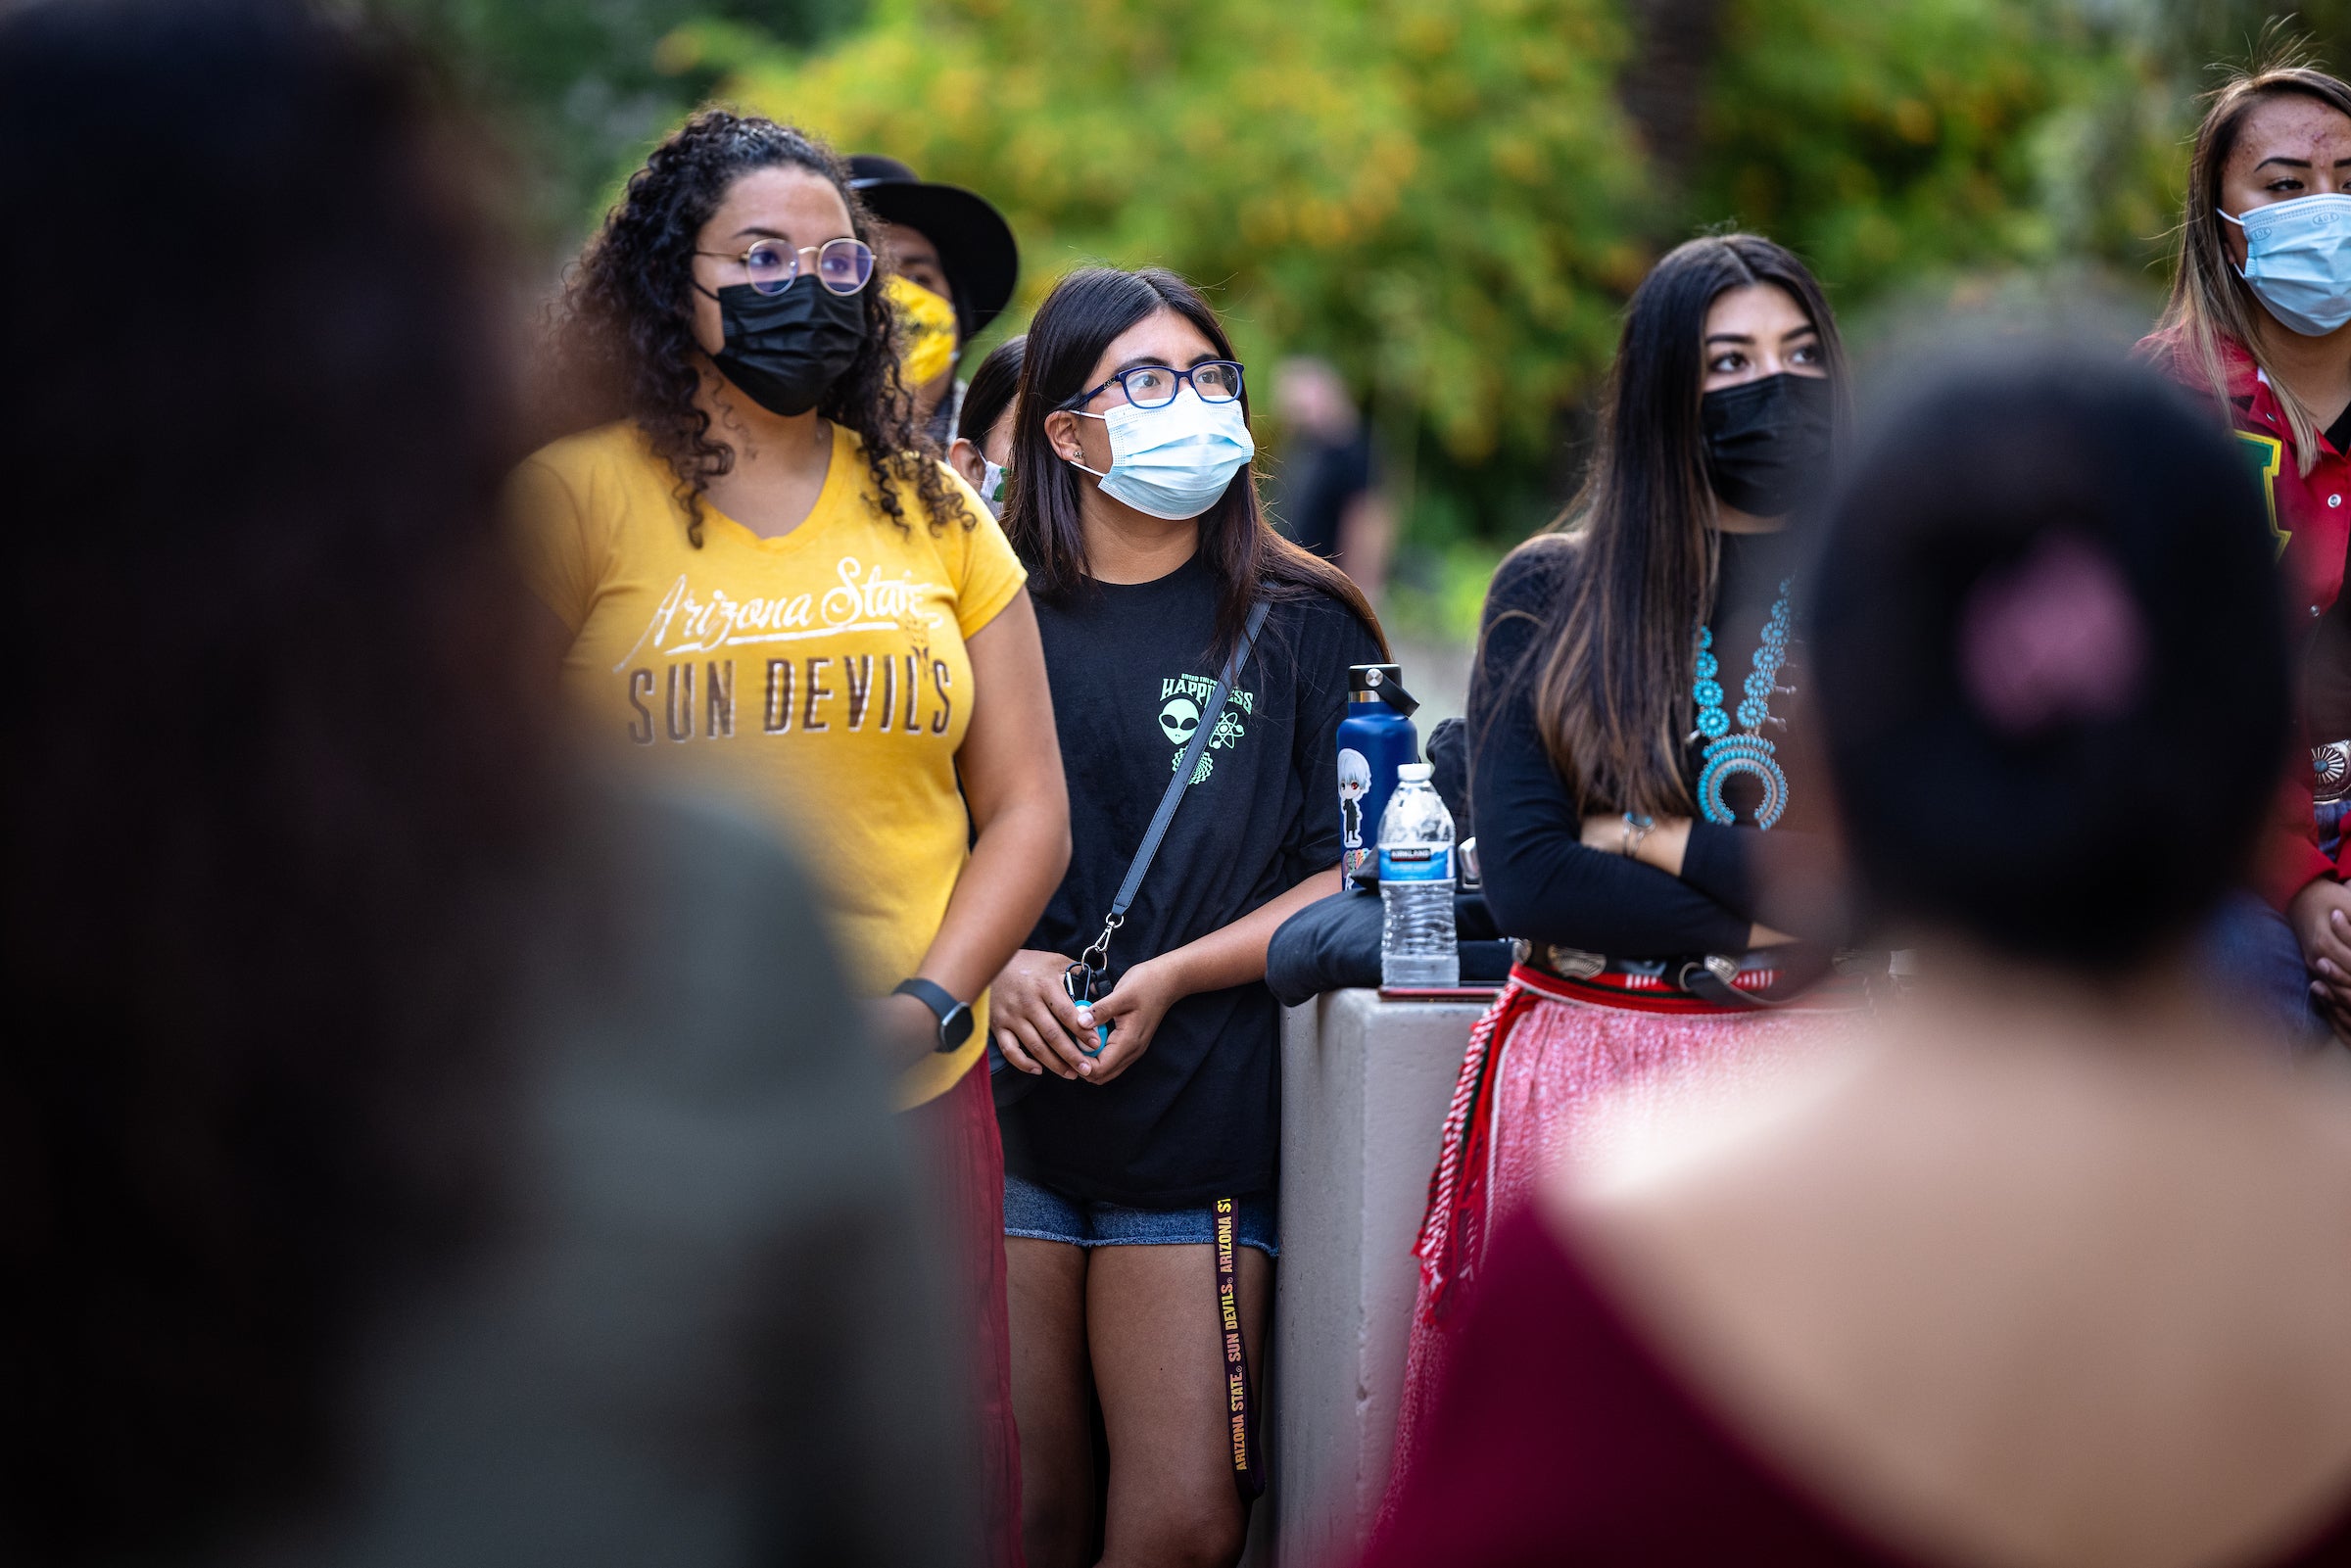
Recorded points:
(1098, 955)
(1190, 761)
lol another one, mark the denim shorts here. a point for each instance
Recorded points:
(1041, 1214)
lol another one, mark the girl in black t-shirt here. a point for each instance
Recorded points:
(1132, 504)
(1629, 746)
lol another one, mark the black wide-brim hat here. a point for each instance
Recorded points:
(975, 244)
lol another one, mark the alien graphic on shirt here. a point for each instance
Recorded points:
(1183, 701)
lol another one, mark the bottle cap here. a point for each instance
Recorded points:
(1381, 683)
(1416, 772)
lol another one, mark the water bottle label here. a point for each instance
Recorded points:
(1416, 862)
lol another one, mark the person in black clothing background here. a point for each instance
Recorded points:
(1628, 748)
(1134, 507)
(1330, 498)
(952, 243)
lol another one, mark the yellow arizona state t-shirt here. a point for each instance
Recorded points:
(821, 677)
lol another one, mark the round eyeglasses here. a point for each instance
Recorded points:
(1154, 386)
(843, 265)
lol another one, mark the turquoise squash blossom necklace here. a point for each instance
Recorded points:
(1727, 754)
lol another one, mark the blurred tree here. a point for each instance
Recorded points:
(1898, 145)
(2187, 36)
(1664, 83)
(1888, 142)
(580, 84)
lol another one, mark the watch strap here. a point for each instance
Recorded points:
(954, 1017)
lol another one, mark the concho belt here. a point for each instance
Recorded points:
(2331, 772)
(1574, 964)
(1766, 977)
(1752, 972)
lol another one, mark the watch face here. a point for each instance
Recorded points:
(955, 1027)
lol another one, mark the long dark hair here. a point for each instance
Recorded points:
(274, 756)
(2211, 302)
(1617, 654)
(992, 387)
(625, 325)
(1082, 316)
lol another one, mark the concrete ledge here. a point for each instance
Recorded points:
(1364, 1084)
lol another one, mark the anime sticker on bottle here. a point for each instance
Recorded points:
(1355, 781)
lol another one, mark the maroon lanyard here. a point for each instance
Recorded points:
(1247, 1473)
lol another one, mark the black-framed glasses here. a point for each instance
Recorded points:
(1154, 386)
(843, 265)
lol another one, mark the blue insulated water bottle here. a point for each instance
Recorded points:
(1375, 738)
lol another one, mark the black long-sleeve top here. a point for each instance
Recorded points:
(1540, 881)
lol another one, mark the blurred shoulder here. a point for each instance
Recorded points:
(1869, 1234)
(691, 873)
(678, 917)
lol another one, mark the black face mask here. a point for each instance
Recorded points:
(1767, 442)
(786, 350)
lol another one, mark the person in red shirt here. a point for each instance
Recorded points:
(2260, 322)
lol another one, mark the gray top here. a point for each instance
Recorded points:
(706, 1333)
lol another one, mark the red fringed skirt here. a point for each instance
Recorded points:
(1543, 1062)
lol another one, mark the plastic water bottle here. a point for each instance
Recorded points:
(1416, 885)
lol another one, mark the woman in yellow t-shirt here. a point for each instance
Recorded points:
(761, 580)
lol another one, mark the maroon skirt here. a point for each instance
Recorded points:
(957, 1132)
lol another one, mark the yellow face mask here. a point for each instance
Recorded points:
(929, 323)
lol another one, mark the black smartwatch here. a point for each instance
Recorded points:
(954, 1017)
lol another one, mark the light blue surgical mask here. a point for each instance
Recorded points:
(992, 488)
(2298, 261)
(1173, 462)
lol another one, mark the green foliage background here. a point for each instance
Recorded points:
(1450, 198)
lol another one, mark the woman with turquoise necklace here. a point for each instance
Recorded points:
(1628, 754)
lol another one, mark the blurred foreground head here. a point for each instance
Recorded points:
(405, 1155)
(269, 763)
(2051, 662)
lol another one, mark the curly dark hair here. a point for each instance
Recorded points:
(626, 319)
